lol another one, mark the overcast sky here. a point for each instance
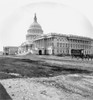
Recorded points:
(17, 15)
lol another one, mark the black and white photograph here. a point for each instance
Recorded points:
(46, 50)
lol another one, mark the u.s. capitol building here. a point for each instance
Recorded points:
(53, 43)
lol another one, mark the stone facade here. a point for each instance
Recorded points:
(10, 50)
(53, 43)
(63, 44)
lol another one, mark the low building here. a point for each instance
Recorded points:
(1, 52)
(10, 50)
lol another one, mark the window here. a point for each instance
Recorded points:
(52, 44)
(66, 44)
(57, 44)
(60, 44)
(71, 45)
(57, 39)
(61, 51)
(63, 44)
(57, 51)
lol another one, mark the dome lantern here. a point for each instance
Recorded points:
(35, 18)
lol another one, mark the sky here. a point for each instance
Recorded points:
(60, 16)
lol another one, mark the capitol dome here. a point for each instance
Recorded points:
(58, 18)
(34, 30)
(35, 27)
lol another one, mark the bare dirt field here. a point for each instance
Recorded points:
(34, 77)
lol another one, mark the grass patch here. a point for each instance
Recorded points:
(31, 68)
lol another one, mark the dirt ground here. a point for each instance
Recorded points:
(35, 77)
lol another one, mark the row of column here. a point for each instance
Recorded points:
(25, 48)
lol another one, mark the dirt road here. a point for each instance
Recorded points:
(69, 87)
